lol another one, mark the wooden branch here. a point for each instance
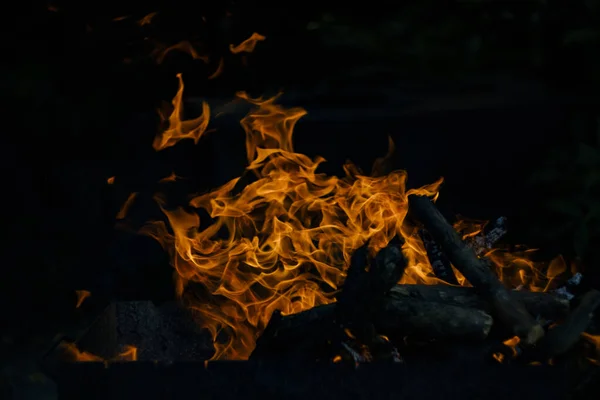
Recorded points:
(508, 309)
(544, 305)
(561, 338)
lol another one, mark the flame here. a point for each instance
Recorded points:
(126, 206)
(110, 180)
(515, 268)
(72, 353)
(283, 241)
(122, 18)
(183, 46)
(170, 178)
(248, 45)
(218, 71)
(594, 341)
(512, 345)
(147, 19)
(81, 296)
(179, 129)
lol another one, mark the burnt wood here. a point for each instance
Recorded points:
(508, 309)
(544, 305)
(561, 338)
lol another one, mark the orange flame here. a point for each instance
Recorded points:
(183, 46)
(512, 344)
(72, 353)
(283, 241)
(218, 71)
(515, 268)
(594, 341)
(81, 296)
(147, 19)
(177, 128)
(126, 206)
(248, 45)
(110, 180)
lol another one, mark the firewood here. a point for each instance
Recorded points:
(561, 338)
(544, 305)
(408, 317)
(363, 290)
(304, 332)
(439, 262)
(508, 309)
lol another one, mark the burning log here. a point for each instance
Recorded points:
(439, 262)
(363, 291)
(486, 239)
(544, 305)
(561, 338)
(508, 309)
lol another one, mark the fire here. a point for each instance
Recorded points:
(71, 352)
(125, 207)
(178, 129)
(81, 296)
(183, 46)
(283, 241)
(147, 19)
(248, 45)
(512, 345)
(515, 268)
(594, 342)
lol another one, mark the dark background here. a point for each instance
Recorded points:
(483, 93)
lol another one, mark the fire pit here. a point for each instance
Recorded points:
(314, 285)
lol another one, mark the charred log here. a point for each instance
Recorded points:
(439, 262)
(432, 320)
(544, 305)
(561, 338)
(508, 309)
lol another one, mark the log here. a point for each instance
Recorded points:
(439, 262)
(408, 317)
(364, 289)
(561, 338)
(508, 309)
(304, 332)
(544, 305)
(367, 282)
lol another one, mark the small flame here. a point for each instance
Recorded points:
(218, 71)
(110, 180)
(512, 345)
(594, 341)
(126, 206)
(170, 178)
(183, 46)
(72, 353)
(248, 45)
(81, 296)
(179, 129)
(122, 18)
(147, 19)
